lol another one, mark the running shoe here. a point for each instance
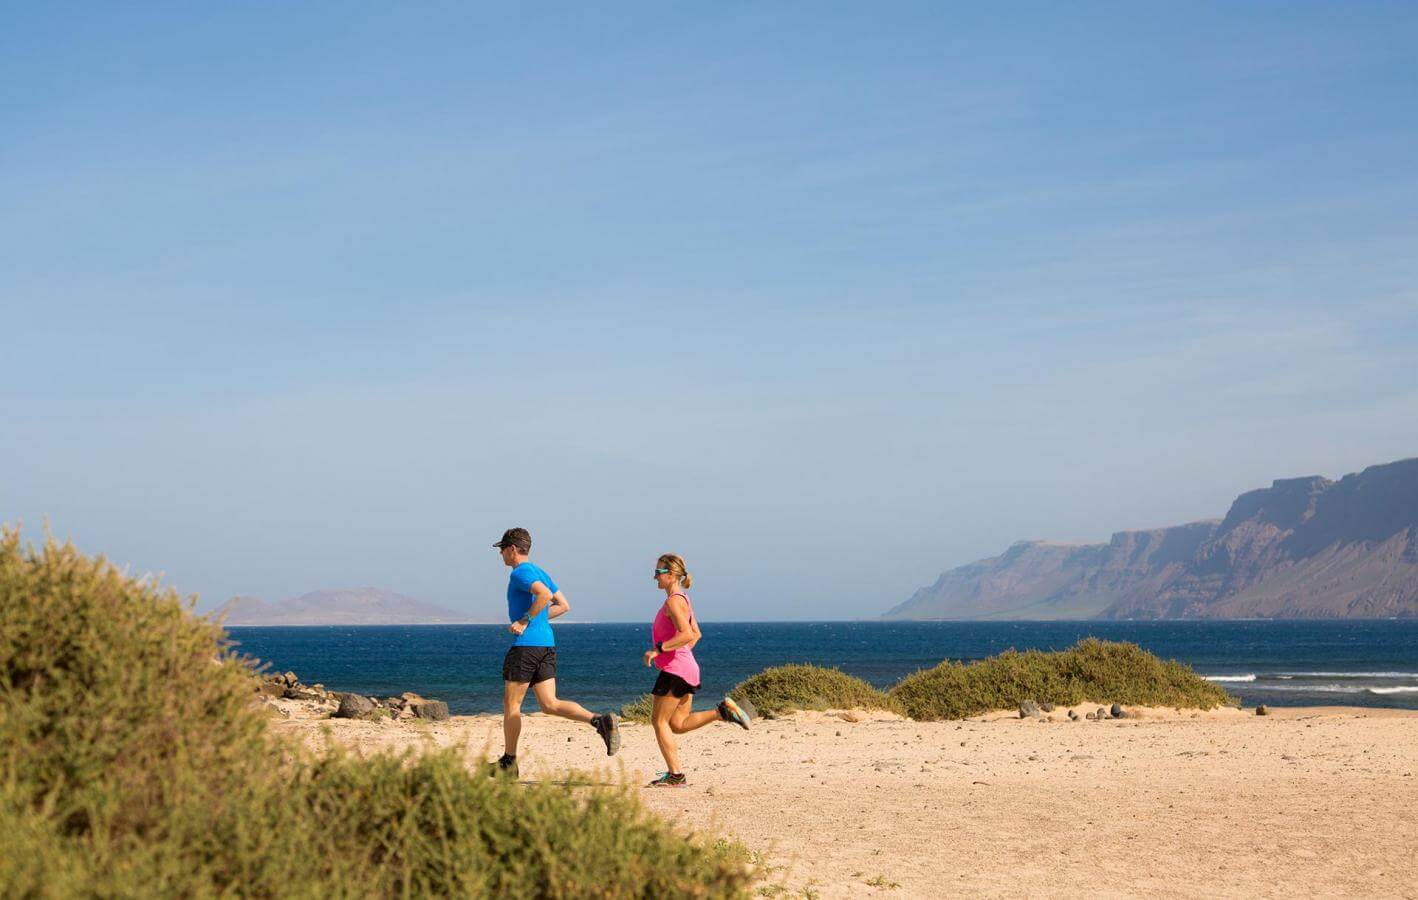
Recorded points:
(608, 727)
(505, 765)
(669, 779)
(730, 711)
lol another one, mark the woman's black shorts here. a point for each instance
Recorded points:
(668, 685)
(529, 665)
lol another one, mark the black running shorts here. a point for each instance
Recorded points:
(668, 685)
(529, 665)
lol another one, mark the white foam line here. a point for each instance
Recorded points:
(1350, 675)
(1309, 688)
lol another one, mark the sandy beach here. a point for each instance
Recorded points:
(1305, 802)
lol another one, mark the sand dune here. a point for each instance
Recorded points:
(1307, 802)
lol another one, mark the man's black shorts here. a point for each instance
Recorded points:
(529, 665)
(672, 686)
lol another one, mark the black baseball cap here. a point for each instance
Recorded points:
(520, 538)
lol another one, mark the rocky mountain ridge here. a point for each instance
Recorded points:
(1301, 548)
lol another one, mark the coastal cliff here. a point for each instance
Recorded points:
(1301, 548)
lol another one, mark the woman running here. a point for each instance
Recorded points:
(674, 634)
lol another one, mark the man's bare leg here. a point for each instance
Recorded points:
(607, 725)
(513, 693)
(545, 692)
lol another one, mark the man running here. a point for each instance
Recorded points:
(533, 600)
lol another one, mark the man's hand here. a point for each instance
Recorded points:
(517, 627)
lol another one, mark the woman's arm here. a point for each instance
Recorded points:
(686, 632)
(694, 626)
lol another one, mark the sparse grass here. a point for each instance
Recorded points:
(638, 710)
(1092, 670)
(783, 689)
(880, 881)
(778, 889)
(133, 763)
(735, 854)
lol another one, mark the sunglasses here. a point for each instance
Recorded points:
(662, 571)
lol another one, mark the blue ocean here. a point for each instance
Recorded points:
(1297, 663)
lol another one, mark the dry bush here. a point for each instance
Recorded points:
(1092, 670)
(134, 763)
(783, 689)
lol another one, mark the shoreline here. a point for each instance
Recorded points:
(461, 663)
(1305, 801)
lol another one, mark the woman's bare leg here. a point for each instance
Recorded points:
(683, 720)
(664, 708)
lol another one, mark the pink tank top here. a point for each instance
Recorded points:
(679, 661)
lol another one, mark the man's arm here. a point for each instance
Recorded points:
(542, 597)
(559, 605)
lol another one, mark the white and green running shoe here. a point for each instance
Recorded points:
(730, 711)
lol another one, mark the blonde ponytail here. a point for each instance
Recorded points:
(675, 564)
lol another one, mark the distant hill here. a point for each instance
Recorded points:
(1301, 548)
(354, 606)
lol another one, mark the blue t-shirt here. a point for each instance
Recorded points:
(519, 600)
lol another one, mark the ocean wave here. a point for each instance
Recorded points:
(1395, 690)
(1348, 675)
(1229, 677)
(1310, 688)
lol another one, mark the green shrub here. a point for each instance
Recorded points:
(1092, 670)
(639, 709)
(133, 762)
(114, 702)
(783, 689)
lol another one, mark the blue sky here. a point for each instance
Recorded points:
(827, 298)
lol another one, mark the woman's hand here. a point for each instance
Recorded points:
(650, 658)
